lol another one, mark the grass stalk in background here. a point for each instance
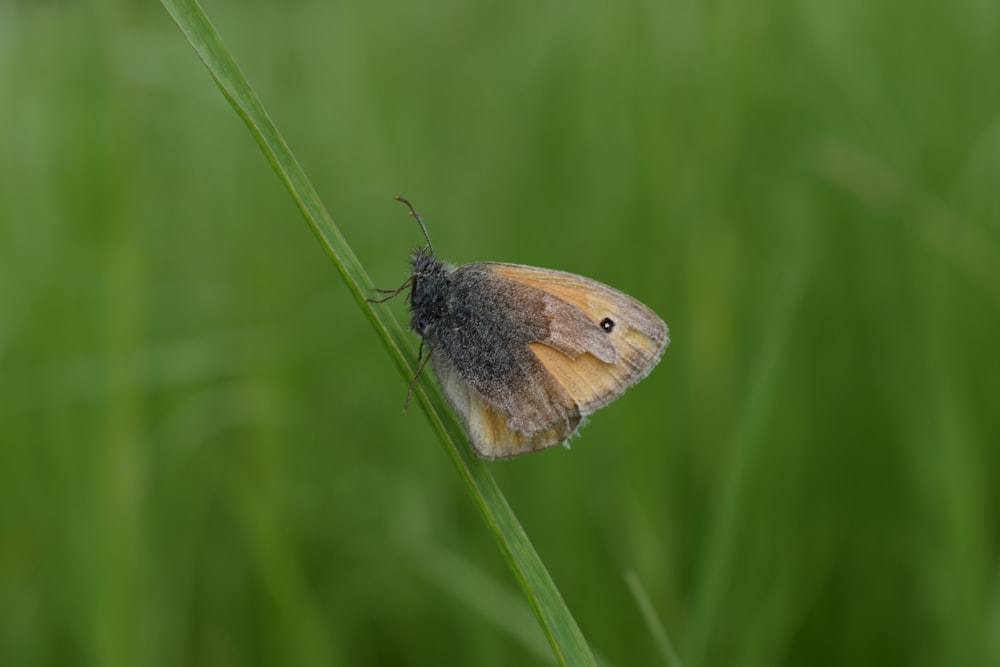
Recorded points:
(560, 628)
(653, 622)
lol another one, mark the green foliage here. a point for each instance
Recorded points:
(204, 458)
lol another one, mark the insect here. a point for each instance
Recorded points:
(524, 354)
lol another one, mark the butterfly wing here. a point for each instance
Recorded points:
(523, 353)
(479, 350)
(600, 341)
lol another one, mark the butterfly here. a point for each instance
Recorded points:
(525, 354)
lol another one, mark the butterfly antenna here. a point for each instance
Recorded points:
(420, 221)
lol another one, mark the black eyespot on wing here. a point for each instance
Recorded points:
(608, 325)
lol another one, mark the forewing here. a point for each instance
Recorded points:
(592, 363)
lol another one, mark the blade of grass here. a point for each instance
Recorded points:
(749, 436)
(653, 622)
(560, 627)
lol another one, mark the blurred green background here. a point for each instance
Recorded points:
(204, 459)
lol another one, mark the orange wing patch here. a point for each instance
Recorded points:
(588, 372)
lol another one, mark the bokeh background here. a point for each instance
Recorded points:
(204, 457)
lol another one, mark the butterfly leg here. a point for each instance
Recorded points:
(413, 382)
(391, 292)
